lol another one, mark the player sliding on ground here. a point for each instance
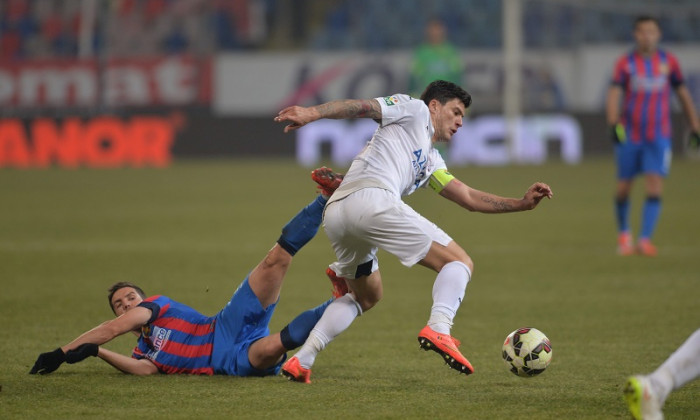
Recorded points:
(366, 213)
(174, 338)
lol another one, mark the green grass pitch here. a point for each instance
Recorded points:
(194, 230)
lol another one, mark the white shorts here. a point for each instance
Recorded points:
(373, 218)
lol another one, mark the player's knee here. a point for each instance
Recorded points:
(466, 261)
(368, 301)
(276, 258)
(439, 256)
(367, 291)
(622, 194)
(622, 191)
(265, 352)
(458, 254)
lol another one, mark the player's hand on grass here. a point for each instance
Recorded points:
(535, 194)
(618, 134)
(48, 362)
(694, 140)
(81, 353)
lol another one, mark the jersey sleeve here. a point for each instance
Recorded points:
(620, 72)
(436, 172)
(675, 75)
(438, 161)
(157, 305)
(399, 109)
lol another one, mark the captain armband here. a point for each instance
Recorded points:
(439, 180)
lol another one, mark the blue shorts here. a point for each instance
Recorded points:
(652, 157)
(242, 322)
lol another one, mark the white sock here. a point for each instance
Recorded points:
(448, 292)
(680, 368)
(336, 319)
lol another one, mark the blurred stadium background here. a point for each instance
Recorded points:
(146, 82)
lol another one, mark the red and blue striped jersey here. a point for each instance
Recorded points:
(647, 83)
(177, 338)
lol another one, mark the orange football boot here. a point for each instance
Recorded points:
(294, 372)
(446, 346)
(624, 244)
(646, 248)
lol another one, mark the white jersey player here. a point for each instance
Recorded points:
(646, 394)
(366, 213)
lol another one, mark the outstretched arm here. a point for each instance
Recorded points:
(127, 364)
(688, 108)
(129, 321)
(612, 105)
(343, 109)
(483, 202)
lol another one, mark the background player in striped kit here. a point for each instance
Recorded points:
(174, 338)
(642, 132)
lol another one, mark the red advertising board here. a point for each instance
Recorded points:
(102, 142)
(160, 81)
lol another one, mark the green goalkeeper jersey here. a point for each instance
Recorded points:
(433, 62)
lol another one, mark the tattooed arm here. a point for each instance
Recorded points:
(342, 109)
(483, 202)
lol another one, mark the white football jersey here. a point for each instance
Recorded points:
(400, 156)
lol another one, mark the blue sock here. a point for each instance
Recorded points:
(297, 331)
(298, 231)
(622, 211)
(650, 215)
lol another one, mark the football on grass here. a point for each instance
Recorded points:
(527, 352)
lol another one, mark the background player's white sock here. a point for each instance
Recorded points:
(336, 319)
(448, 292)
(680, 368)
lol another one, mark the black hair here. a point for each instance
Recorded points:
(444, 91)
(645, 18)
(120, 285)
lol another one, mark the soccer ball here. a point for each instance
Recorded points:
(527, 352)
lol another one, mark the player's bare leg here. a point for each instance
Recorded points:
(266, 352)
(266, 278)
(266, 283)
(654, 184)
(439, 255)
(365, 292)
